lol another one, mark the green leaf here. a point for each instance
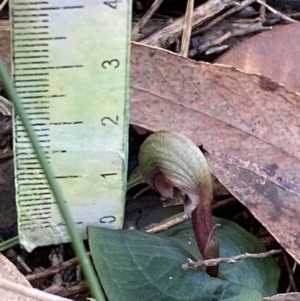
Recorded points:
(137, 266)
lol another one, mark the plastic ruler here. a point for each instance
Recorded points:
(71, 70)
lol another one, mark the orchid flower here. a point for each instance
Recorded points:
(168, 160)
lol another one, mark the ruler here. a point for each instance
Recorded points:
(71, 71)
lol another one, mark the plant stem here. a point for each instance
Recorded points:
(7, 244)
(205, 230)
(62, 204)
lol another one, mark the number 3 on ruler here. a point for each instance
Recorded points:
(112, 63)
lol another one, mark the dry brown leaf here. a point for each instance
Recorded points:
(5, 43)
(9, 272)
(248, 124)
(274, 54)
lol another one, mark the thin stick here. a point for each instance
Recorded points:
(262, 12)
(144, 20)
(291, 282)
(165, 37)
(183, 217)
(55, 269)
(3, 4)
(276, 12)
(213, 262)
(65, 211)
(187, 28)
(290, 272)
(230, 12)
(169, 224)
(140, 192)
(29, 291)
(234, 33)
(5, 106)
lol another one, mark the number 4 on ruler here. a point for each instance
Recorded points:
(112, 3)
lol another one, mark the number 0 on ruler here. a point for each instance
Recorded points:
(71, 70)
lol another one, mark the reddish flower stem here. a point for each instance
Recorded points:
(205, 235)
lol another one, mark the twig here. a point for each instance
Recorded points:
(54, 270)
(169, 224)
(29, 292)
(295, 15)
(68, 288)
(276, 12)
(150, 30)
(283, 297)
(140, 192)
(144, 20)
(2, 5)
(23, 264)
(262, 12)
(291, 284)
(222, 204)
(183, 218)
(216, 49)
(234, 33)
(6, 155)
(290, 272)
(213, 262)
(230, 12)
(166, 36)
(5, 106)
(54, 259)
(187, 29)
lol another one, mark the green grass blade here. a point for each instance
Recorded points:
(78, 245)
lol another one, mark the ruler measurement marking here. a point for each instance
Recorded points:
(37, 209)
(32, 57)
(31, 80)
(31, 33)
(30, 173)
(41, 201)
(31, 27)
(43, 96)
(37, 194)
(29, 168)
(32, 45)
(41, 188)
(36, 102)
(26, 160)
(28, 182)
(32, 74)
(34, 202)
(66, 123)
(36, 220)
(38, 113)
(31, 3)
(51, 67)
(32, 63)
(45, 214)
(39, 118)
(33, 91)
(41, 39)
(30, 21)
(49, 8)
(32, 86)
(29, 15)
(67, 177)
